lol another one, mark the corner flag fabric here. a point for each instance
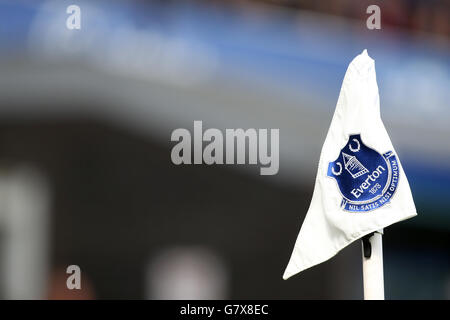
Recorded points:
(360, 184)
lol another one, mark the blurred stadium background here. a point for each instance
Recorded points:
(85, 123)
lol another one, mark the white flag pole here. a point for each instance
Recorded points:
(372, 256)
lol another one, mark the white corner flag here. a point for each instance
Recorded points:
(360, 185)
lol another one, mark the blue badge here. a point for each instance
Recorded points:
(366, 179)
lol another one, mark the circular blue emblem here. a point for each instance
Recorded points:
(366, 179)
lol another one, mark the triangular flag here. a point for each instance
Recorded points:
(360, 185)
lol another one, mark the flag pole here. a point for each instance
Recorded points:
(372, 256)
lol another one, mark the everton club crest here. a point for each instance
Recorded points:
(366, 179)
